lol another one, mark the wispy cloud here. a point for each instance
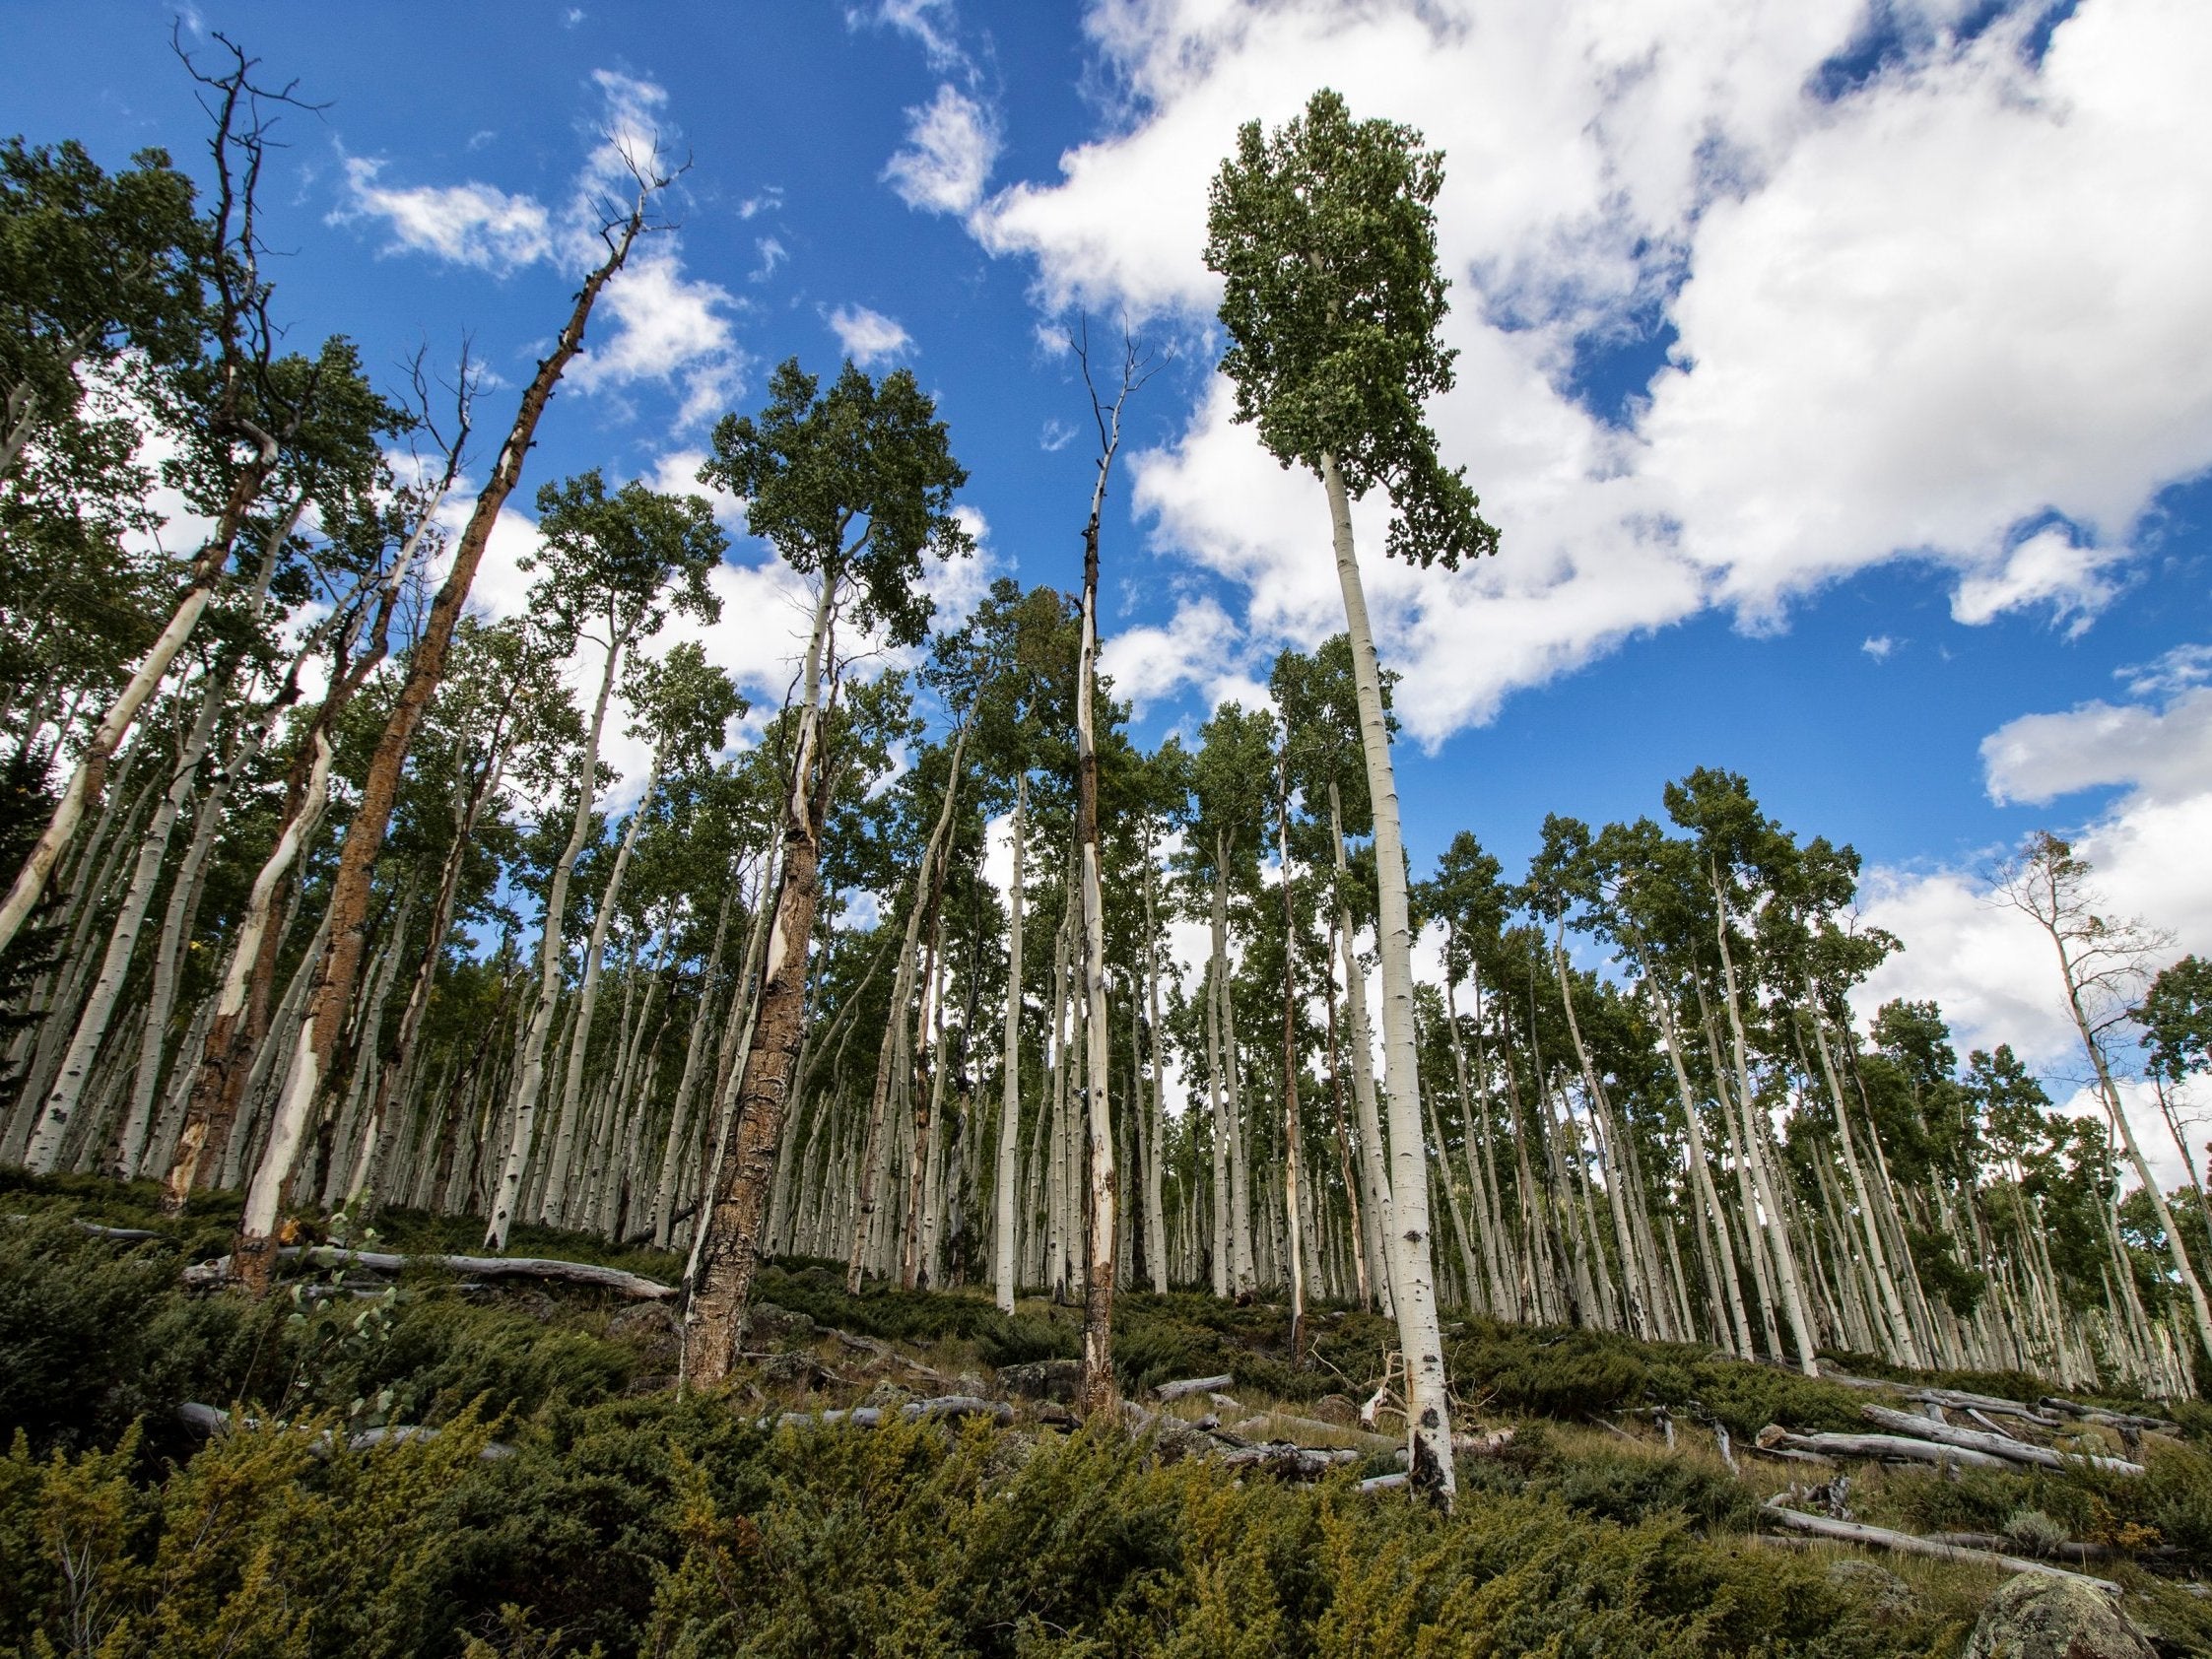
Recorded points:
(667, 327)
(1879, 647)
(952, 143)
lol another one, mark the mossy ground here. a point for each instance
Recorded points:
(630, 1520)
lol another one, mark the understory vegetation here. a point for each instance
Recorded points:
(573, 1500)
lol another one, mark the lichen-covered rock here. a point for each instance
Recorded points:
(2036, 1616)
(1880, 1591)
(1043, 1379)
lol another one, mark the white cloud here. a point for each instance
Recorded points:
(772, 253)
(2161, 754)
(952, 143)
(1198, 647)
(868, 337)
(470, 224)
(1054, 436)
(2048, 568)
(1879, 647)
(668, 328)
(928, 22)
(1956, 304)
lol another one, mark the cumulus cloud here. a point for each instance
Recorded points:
(1198, 647)
(469, 224)
(1953, 312)
(867, 336)
(2161, 754)
(952, 143)
(669, 328)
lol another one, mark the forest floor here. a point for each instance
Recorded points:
(194, 1473)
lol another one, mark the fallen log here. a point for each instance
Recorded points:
(1995, 1445)
(631, 1285)
(1384, 1483)
(1314, 1425)
(946, 1407)
(1906, 1543)
(1960, 1399)
(2109, 1419)
(881, 1350)
(2071, 1551)
(1299, 1463)
(1167, 1391)
(213, 1421)
(1902, 1447)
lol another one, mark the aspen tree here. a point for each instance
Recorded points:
(852, 486)
(1325, 237)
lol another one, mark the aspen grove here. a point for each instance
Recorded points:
(323, 889)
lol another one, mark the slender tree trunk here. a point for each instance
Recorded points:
(1009, 1172)
(1155, 1223)
(1291, 1213)
(122, 941)
(1374, 1164)
(89, 777)
(1427, 1406)
(587, 994)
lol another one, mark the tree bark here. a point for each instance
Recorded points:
(1427, 1406)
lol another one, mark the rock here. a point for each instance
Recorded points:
(1881, 1592)
(765, 1320)
(786, 1369)
(1043, 1379)
(2034, 1617)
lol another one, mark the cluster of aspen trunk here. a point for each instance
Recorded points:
(1676, 1143)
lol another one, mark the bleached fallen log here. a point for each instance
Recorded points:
(1167, 1391)
(213, 1421)
(881, 1350)
(1384, 1483)
(945, 1408)
(1902, 1447)
(1994, 1404)
(2069, 1551)
(2109, 1419)
(1995, 1445)
(1303, 1463)
(632, 1285)
(1906, 1543)
(1284, 1420)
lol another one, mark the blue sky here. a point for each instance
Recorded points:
(1838, 376)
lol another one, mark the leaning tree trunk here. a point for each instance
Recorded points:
(253, 1252)
(1427, 1406)
(62, 1099)
(729, 1251)
(89, 777)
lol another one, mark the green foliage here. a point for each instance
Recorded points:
(1325, 240)
(851, 485)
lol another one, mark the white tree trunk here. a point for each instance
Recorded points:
(1009, 1170)
(1428, 1404)
(532, 1077)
